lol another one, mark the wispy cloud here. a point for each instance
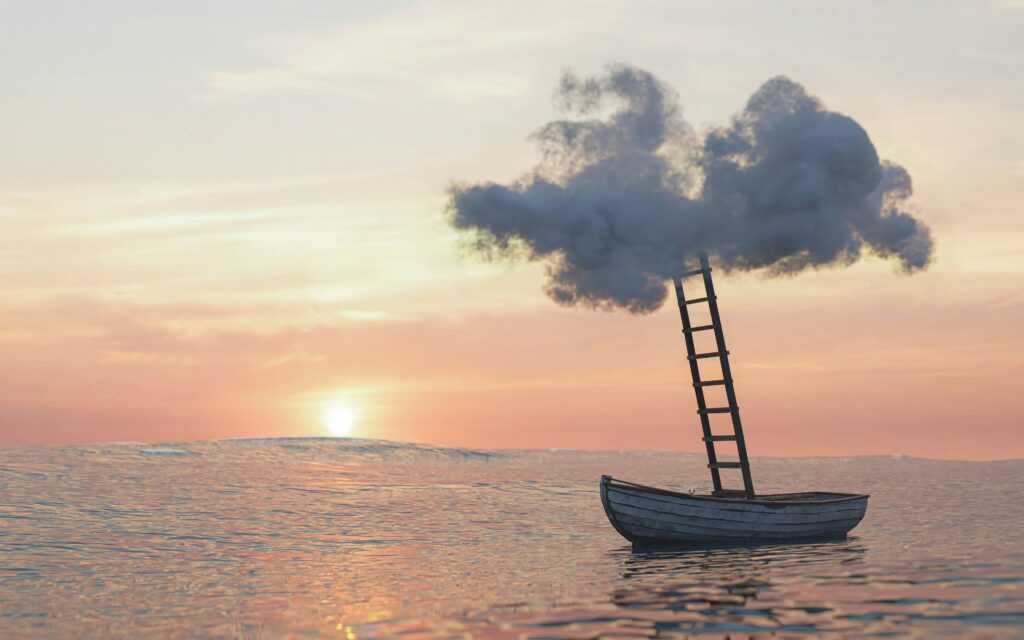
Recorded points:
(1008, 5)
(461, 51)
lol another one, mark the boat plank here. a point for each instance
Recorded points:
(802, 506)
(782, 520)
(696, 511)
(735, 506)
(747, 506)
(641, 534)
(772, 500)
(661, 529)
(728, 525)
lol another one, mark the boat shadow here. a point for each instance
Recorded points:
(729, 588)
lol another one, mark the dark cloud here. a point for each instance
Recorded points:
(617, 203)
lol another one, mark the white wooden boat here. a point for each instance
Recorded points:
(650, 516)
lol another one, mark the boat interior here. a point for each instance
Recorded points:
(763, 498)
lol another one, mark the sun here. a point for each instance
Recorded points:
(339, 419)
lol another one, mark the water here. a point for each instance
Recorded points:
(359, 538)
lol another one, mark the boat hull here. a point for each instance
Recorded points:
(648, 516)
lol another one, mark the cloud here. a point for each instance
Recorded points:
(618, 203)
(446, 49)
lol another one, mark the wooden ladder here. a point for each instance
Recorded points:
(700, 384)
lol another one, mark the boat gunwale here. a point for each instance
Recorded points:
(766, 500)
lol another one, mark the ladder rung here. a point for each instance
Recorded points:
(720, 439)
(687, 274)
(696, 300)
(711, 383)
(726, 465)
(716, 410)
(713, 354)
(703, 327)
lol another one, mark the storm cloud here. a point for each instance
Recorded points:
(626, 192)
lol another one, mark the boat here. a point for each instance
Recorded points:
(647, 516)
(651, 516)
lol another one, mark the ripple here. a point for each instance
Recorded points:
(327, 537)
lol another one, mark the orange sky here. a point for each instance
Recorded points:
(219, 227)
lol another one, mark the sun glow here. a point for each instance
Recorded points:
(339, 419)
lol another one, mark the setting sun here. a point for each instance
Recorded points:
(339, 419)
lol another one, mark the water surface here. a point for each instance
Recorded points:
(360, 538)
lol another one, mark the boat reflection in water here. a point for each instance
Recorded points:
(742, 591)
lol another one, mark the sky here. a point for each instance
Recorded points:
(228, 219)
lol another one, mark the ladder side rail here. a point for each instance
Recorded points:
(705, 422)
(716, 320)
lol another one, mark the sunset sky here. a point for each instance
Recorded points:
(227, 219)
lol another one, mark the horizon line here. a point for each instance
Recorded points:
(510, 449)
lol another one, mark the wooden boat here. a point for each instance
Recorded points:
(651, 516)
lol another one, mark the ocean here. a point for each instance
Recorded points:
(350, 538)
